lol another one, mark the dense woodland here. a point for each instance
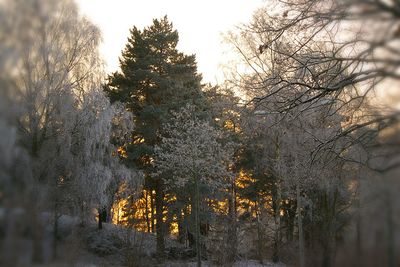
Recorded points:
(293, 159)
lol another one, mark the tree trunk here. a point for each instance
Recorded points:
(82, 211)
(181, 228)
(329, 208)
(232, 233)
(159, 221)
(197, 223)
(8, 251)
(260, 236)
(300, 225)
(100, 215)
(146, 197)
(292, 209)
(55, 230)
(107, 212)
(277, 234)
(153, 217)
(390, 232)
(277, 237)
(359, 256)
(36, 229)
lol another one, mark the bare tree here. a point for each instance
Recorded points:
(302, 51)
(286, 145)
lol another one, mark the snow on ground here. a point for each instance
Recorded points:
(242, 263)
(249, 263)
(90, 247)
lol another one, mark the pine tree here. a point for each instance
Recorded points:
(155, 79)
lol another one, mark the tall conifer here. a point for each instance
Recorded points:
(154, 79)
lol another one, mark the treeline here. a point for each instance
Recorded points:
(59, 132)
(290, 159)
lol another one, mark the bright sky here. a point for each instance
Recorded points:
(199, 23)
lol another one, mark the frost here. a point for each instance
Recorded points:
(192, 149)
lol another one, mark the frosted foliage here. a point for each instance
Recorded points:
(94, 179)
(122, 124)
(96, 161)
(51, 64)
(290, 146)
(190, 149)
(52, 59)
(295, 159)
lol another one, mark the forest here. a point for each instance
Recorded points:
(292, 160)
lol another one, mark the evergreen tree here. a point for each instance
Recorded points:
(155, 79)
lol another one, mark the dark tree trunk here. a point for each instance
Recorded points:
(390, 232)
(36, 229)
(55, 230)
(153, 217)
(100, 226)
(8, 255)
(191, 239)
(197, 223)
(82, 211)
(159, 221)
(107, 212)
(181, 227)
(102, 213)
(290, 214)
(302, 260)
(276, 198)
(260, 233)
(359, 253)
(146, 197)
(358, 241)
(232, 230)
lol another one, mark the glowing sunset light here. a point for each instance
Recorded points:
(199, 23)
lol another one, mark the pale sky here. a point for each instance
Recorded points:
(199, 23)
